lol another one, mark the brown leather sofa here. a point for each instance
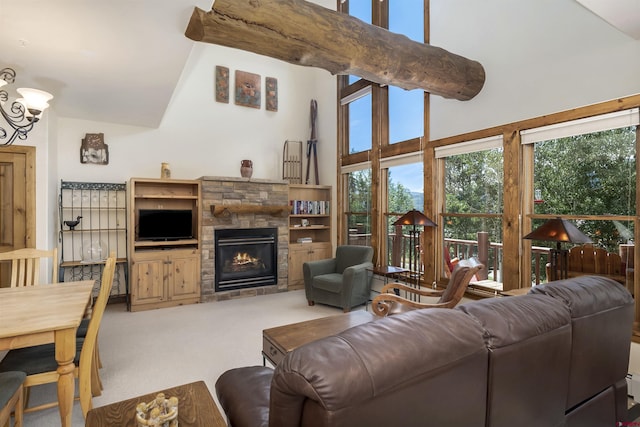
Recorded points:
(555, 357)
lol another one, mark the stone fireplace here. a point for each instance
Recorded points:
(243, 206)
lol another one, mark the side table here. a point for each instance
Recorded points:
(196, 408)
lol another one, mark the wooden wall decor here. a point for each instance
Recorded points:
(222, 84)
(271, 94)
(305, 33)
(247, 89)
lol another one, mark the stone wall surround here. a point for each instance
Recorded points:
(226, 191)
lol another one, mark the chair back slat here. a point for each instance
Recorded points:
(25, 265)
(89, 345)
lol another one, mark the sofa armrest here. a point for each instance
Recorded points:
(244, 395)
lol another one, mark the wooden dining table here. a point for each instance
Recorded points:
(51, 313)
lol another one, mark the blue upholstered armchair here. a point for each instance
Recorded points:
(343, 281)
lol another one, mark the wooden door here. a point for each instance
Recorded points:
(17, 201)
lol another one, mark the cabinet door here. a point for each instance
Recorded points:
(147, 281)
(321, 251)
(184, 276)
(298, 255)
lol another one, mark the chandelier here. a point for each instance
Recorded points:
(23, 113)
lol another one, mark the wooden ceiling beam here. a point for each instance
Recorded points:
(304, 33)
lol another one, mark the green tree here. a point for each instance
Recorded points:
(590, 174)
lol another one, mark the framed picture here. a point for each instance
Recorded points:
(271, 94)
(93, 149)
(247, 87)
(222, 84)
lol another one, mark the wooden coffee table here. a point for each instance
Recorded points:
(278, 341)
(196, 408)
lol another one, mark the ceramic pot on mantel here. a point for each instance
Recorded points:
(246, 168)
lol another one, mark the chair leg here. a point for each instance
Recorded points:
(19, 410)
(311, 302)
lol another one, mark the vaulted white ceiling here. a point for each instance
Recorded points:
(622, 14)
(120, 60)
(114, 61)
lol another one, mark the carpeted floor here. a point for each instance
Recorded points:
(147, 351)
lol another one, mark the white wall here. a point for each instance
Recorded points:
(199, 136)
(540, 57)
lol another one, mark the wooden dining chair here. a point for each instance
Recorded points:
(25, 265)
(40, 364)
(11, 392)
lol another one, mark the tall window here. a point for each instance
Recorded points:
(359, 207)
(360, 9)
(405, 191)
(359, 122)
(472, 206)
(585, 172)
(406, 114)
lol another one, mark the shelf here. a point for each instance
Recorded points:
(95, 230)
(152, 244)
(311, 227)
(96, 208)
(309, 216)
(226, 211)
(166, 196)
(79, 263)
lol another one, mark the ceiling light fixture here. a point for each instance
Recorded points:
(24, 112)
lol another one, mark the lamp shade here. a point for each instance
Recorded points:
(558, 230)
(415, 217)
(34, 99)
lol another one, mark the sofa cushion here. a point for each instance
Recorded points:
(331, 282)
(529, 339)
(367, 374)
(602, 313)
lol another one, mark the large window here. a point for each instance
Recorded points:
(405, 191)
(359, 207)
(360, 123)
(472, 207)
(585, 172)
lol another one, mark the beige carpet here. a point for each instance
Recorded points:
(147, 351)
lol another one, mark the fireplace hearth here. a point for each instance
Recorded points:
(245, 258)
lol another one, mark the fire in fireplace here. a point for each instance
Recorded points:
(246, 258)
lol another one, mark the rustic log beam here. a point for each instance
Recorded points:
(304, 33)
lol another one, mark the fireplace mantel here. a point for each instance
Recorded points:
(227, 210)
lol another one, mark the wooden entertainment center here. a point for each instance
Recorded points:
(164, 272)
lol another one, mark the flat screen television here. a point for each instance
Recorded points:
(165, 224)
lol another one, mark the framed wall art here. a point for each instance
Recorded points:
(93, 150)
(247, 87)
(271, 93)
(222, 84)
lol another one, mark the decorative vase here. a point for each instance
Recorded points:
(165, 171)
(246, 168)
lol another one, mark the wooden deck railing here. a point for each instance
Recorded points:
(462, 249)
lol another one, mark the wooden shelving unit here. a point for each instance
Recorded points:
(311, 219)
(164, 273)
